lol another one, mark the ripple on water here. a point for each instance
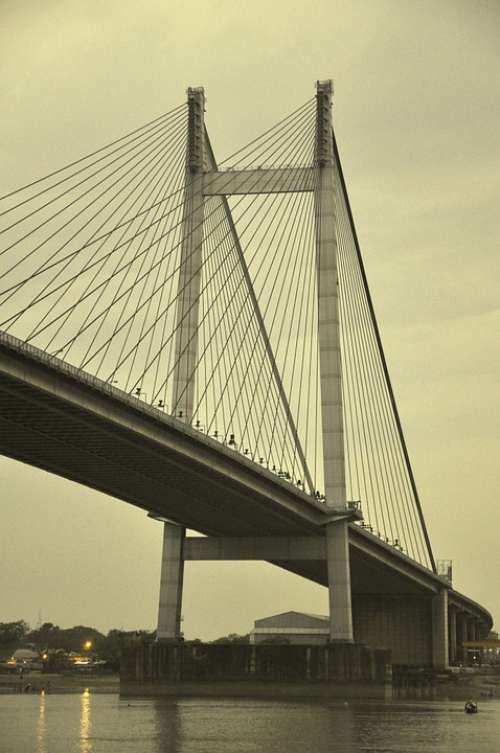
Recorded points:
(88, 723)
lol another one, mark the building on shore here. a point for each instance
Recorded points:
(291, 627)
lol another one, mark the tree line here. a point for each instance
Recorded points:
(46, 637)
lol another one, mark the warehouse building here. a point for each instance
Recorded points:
(291, 627)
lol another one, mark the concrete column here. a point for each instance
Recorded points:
(328, 305)
(186, 349)
(472, 634)
(253, 660)
(461, 636)
(339, 582)
(186, 343)
(440, 630)
(339, 577)
(452, 621)
(473, 629)
(172, 573)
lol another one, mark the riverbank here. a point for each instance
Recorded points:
(35, 682)
(477, 684)
(459, 686)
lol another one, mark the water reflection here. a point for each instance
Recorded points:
(252, 726)
(339, 725)
(85, 723)
(40, 726)
(167, 726)
(100, 723)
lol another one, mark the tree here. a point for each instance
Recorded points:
(46, 636)
(233, 638)
(11, 634)
(71, 639)
(111, 648)
(74, 639)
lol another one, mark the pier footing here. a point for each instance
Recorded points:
(265, 670)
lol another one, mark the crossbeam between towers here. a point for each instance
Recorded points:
(259, 181)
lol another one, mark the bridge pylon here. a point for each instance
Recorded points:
(339, 577)
(186, 350)
(202, 180)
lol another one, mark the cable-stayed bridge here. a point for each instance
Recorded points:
(198, 339)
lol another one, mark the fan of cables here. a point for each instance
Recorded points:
(91, 274)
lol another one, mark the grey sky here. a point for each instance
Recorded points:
(417, 114)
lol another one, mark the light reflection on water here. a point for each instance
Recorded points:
(85, 743)
(40, 726)
(101, 723)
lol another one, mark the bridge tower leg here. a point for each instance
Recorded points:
(171, 579)
(461, 636)
(186, 349)
(452, 622)
(339, 577)
(440, 635)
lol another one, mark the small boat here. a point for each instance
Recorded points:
(470, 707)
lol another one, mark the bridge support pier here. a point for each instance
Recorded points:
(440, 630)
(452, 618)
(472, 631)
(339, 582)
(172, 576)
(461, 636)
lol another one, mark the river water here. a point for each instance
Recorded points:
(101, 723)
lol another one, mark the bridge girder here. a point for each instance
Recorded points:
(65, 422)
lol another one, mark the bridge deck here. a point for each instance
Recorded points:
(66, 422)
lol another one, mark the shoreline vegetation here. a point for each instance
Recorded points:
(56, 649)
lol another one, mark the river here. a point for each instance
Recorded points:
(102, 723)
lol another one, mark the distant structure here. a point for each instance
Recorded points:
(291, 627)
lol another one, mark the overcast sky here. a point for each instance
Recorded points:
(417, 117)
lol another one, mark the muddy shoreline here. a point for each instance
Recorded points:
(457, 686)
(35, 682)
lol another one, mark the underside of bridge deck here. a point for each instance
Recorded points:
(72, 430)
(368, 576)
(110, 442)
